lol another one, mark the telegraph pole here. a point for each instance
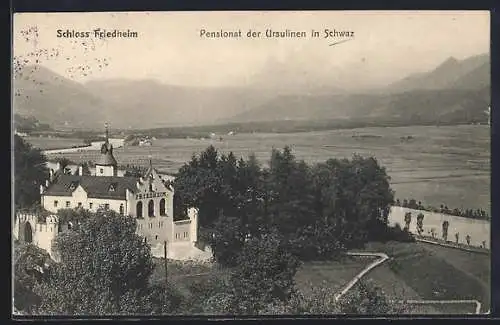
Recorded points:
(166, 261)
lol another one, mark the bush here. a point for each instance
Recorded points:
(394, 233)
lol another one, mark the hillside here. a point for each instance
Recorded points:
(451, 73)
(418, 106)
(454, 92)
(149, 103)
(55, 100)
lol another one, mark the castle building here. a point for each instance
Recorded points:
(147, 198)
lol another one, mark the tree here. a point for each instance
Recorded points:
(412, 204)
(104, 269)
(291, 202)
(199, 184)
(420, 223)
(264, 273)
(227, 240)
(445, 229)
(407, 221)
(30, 172)
(359, 196)
(63, 162)
(28, 261)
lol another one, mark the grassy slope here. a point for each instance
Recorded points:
(333, 274)
(434, 273)
(415, 271)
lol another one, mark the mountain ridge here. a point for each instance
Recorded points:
(456, 87)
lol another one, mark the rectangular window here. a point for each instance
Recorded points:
(101, 170)
(185, 234)
(90, 205)
(55, 204)
(68, 204)
(106, 206)
(79, 204)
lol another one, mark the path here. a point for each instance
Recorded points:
(382, 259)
(350, 284)
(465, 249)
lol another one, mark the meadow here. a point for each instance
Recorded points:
(45, 143)
(436, 165)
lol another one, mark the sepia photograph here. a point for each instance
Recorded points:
(263, 163)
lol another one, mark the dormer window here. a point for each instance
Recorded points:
(112, 187)
(73, 185)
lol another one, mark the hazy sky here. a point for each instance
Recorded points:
(386, 45)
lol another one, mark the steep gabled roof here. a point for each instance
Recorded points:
(95, 186)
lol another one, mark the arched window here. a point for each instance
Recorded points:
(151, 208)
(138, 209)
(122, 209)
(28, 233)
(162, 207)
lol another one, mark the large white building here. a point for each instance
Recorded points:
(147, 198)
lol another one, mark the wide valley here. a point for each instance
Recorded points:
(447, 165)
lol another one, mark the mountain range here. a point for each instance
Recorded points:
(456, 90)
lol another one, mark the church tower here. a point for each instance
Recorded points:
(106, 165)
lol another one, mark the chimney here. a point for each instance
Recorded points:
(58, 165)
(80, 170)
(47, 183)
(51, 174)
(42, 189)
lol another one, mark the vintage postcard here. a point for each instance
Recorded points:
(251, 163)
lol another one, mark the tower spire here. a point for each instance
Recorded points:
(106, 126)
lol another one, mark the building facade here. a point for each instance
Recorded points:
(148, 198)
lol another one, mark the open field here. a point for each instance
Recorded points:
(45, 143)
(439, 165)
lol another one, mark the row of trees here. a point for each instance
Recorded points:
(444, 228)
(319, 210)
(459, 212)
(29, 124)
